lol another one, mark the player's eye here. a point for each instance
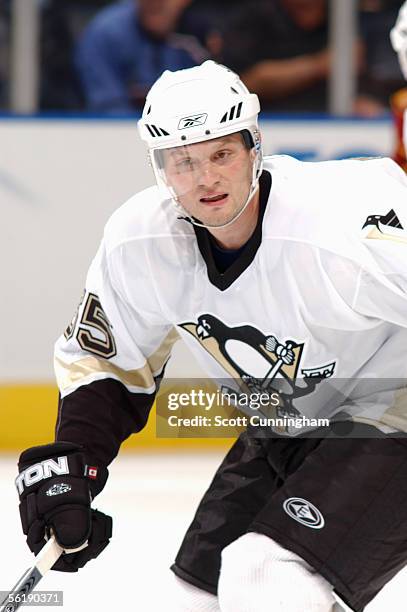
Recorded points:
(184, 165)
(223, 156)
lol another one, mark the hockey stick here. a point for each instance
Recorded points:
(274, 369)
(29, 580)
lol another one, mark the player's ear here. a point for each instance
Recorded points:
(252, 154)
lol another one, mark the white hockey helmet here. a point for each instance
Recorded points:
(195, 105)
(398, 37)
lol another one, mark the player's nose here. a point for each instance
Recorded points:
(208, 174)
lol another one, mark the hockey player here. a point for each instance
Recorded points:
(398, 37)
(303, 264)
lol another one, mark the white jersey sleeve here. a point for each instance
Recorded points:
(382, 288)
(110, 359)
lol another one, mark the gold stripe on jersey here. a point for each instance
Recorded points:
(70, 374)
(395, 416)
(376, 234)
(157, 360)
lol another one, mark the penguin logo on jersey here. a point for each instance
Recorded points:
(385, 227)
(262, 362)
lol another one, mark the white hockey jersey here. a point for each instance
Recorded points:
(324, 274)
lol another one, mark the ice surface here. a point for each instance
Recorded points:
(152, 498)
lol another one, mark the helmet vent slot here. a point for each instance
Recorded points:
(155, 131)
(233, 113)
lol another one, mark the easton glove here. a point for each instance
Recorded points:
(56, 486)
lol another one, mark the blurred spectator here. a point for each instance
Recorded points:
(382, 74)
(4, 53)
(398, 100)
(62, 21)
(127, 46)
(208, 20)
(280, 49)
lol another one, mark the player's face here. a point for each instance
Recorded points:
(211, 179)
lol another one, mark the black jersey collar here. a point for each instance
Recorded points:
(224, 280)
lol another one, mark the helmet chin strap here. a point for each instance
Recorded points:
(193, 221)
(257, 169)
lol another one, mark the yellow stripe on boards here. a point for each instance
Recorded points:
(29, 412)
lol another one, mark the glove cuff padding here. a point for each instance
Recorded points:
(46, 451)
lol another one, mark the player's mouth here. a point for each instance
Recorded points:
(214, 200)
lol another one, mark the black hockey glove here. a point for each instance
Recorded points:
(56, 487)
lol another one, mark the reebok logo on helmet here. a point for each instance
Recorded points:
(192, 121)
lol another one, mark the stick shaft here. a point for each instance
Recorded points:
(29, 580)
